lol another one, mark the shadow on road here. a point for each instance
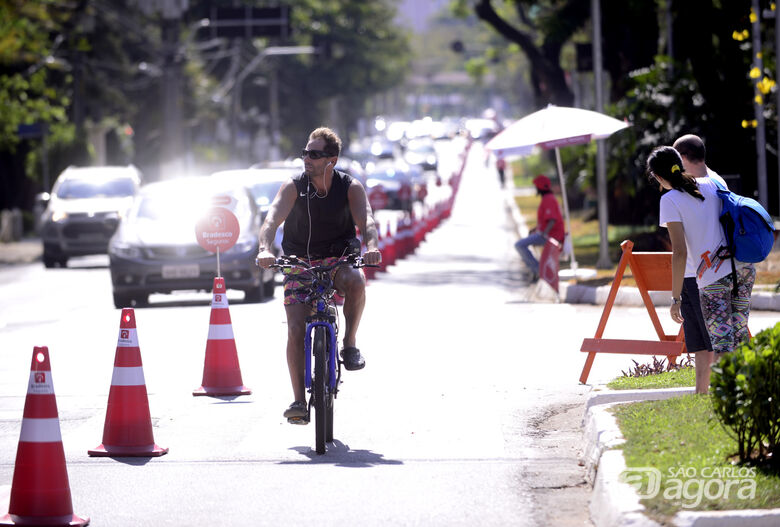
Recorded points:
(341, 455)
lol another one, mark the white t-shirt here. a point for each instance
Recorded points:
(702, 229)
(715, 175)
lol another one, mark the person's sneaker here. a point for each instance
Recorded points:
(297, 410)
(352, 359)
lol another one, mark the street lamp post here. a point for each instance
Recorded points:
(603, 261)
(234, 84)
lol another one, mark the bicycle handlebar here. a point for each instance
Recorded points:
(293, 262)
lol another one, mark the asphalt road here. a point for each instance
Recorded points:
(467, 412)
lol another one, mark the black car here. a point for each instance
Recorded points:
(83, 210)
(155, 249)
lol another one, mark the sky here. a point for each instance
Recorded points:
(415, 13)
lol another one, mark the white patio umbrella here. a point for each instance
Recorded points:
(552, 128)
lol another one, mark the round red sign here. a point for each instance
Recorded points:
(217, 229)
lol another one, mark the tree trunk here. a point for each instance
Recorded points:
(548, 79)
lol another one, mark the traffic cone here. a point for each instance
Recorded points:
(388, 256)
(128, 428)
(382, 246)
(40, 492)
(221, 371)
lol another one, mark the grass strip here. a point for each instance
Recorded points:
(683, 442)
(681, 378)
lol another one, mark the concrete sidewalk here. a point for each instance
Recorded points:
(27, 250)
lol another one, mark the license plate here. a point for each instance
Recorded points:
(181, 271)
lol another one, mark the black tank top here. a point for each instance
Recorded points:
(331, 224)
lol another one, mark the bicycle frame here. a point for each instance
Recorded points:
(333, 360)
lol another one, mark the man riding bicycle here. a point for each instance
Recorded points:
(320, 209)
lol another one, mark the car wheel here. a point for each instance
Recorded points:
(121, 301)
(268, 288)
(254, 294)
(49, 262)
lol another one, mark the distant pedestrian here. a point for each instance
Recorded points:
(690, 210)
(549, 224)
(697, 339)
(501, 167)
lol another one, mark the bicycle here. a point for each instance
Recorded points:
(320, 341)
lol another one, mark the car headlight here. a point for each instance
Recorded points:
(124, 250)
(58, 216)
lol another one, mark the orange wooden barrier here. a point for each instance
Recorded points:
(652, 272)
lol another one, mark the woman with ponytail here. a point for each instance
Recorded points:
(690, 210)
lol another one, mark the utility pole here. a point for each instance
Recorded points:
(603, 261)
(758, 107)
(777, 74)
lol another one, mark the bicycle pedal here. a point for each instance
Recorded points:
(297, 420)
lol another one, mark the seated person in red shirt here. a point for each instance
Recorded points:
(549, 224)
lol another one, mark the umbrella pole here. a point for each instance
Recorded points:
(565, 207)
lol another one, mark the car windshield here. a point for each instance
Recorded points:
(178, 209)
(389, 174)
(422, 148)
(265, 192)
(96, 188)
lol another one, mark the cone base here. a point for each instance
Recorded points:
(215, 391)
(12, 519)
(127, 451)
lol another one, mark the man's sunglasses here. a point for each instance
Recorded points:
(315, 154)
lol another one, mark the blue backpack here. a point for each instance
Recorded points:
(748, 227)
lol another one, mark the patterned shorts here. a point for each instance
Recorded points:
(726, 316)
(293, 282)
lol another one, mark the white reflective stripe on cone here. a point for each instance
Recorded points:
(40, 430)
(128, 376)
(220, 332)
(128, 338)
(40, 383)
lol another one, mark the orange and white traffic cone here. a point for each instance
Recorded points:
(389, 254)
(40, 492)
(221, 371)
(128, 428)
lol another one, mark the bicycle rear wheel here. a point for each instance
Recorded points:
(320, 350)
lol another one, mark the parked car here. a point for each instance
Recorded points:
(391, 185)
(422, 153)
(352, 167)
(155, 249)
(263, 183)
(83, 210)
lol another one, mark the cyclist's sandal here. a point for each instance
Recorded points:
(297, 413)
(352, 359)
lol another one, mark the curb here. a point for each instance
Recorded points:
(615, 503)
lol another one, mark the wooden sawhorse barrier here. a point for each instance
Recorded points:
(652, 272)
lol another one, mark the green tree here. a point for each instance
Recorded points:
(364, 53)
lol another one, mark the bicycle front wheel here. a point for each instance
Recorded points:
(320, 351)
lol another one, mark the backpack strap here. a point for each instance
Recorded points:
(729, 242)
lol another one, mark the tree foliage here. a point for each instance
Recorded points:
(364, 54)
(97, 66)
